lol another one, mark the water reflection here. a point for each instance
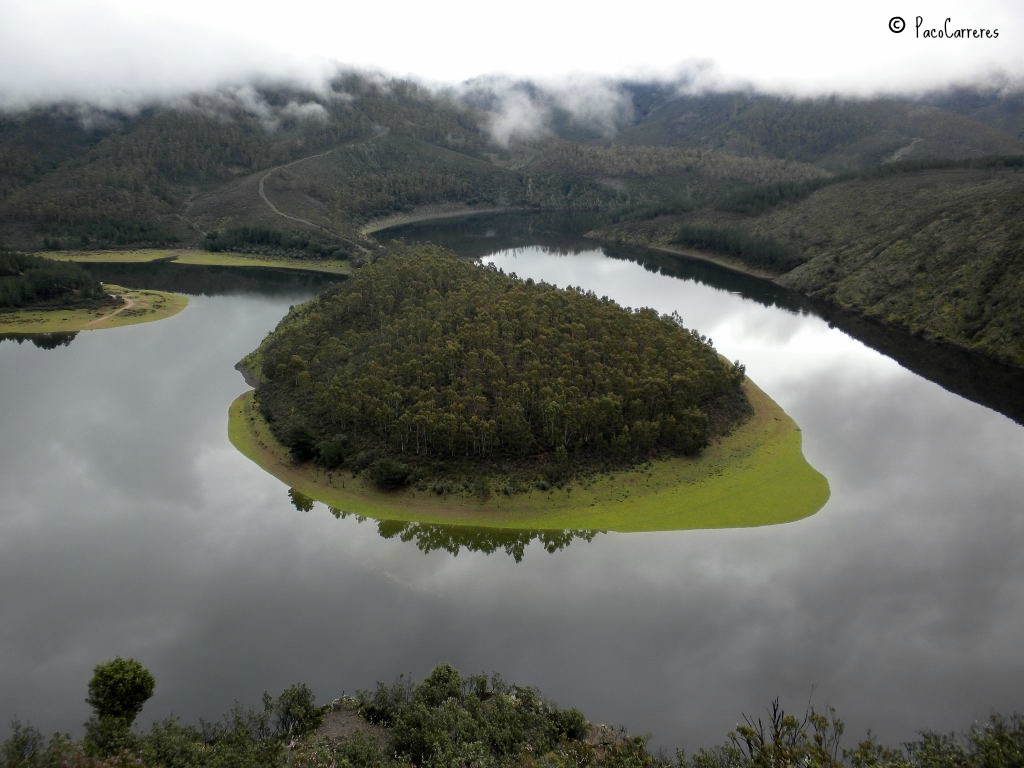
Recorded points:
(200, 280)
(479, 236)
(431, 537)
(125, 511)
(41, 340)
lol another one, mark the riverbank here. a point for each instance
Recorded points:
(201, 258)
(138, 306)
(755, 476)
(726, 262)
(427, 213)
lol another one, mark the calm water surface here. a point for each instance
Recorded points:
(130, 526)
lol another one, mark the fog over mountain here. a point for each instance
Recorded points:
(115, 53)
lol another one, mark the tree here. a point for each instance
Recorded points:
(117, 691)
(119, 688)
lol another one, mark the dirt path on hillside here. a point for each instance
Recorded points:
(128, 304)
(298, 219)
(278, 211)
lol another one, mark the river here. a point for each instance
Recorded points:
(130, 526)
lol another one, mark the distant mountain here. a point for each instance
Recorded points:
(276, 156)
(837, 134)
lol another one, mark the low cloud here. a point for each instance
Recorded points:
(518, 116)
(307, 111)
(595, 103)
(524, 110)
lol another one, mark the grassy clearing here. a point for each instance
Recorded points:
(140, 306)
(110, 257)
(756, 476)
(205, 258)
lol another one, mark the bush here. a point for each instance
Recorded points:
(389, 475)
(295, 713)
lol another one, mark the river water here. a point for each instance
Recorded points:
(130, 526)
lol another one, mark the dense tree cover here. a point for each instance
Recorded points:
(450, 719)
(28, 281)
(421, 358)
(76, 170)
(36, 141)
(275, 242)
(89, 176)
(391, 173)
(934, 251)
(629, 161)
(834, 133)
(753, 250)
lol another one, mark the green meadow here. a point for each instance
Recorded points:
(755, 476)
(140, 306)
(204, 258)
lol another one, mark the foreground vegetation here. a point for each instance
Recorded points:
(449, 719)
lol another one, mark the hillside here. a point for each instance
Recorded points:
(171, 171)
(937, 252)
(836, 134)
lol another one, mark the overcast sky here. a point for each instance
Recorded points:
(123, 49)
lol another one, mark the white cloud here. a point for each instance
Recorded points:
(518, 116)
(117, 51)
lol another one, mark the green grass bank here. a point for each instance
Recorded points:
(139, 306)
(755, 476)
(204, 258)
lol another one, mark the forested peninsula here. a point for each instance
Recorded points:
(42, 296)
(426, 372)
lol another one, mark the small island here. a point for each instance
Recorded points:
(427, 388)
(38, 295)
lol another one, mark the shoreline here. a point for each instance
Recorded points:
(726, 262)
(429, 213)
(141, 306)
(199, 257)
(755, 476)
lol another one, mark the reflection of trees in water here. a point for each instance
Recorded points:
(483, 235)
(41, 340)
(964, 373)
(200, 280)
(453, 538)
